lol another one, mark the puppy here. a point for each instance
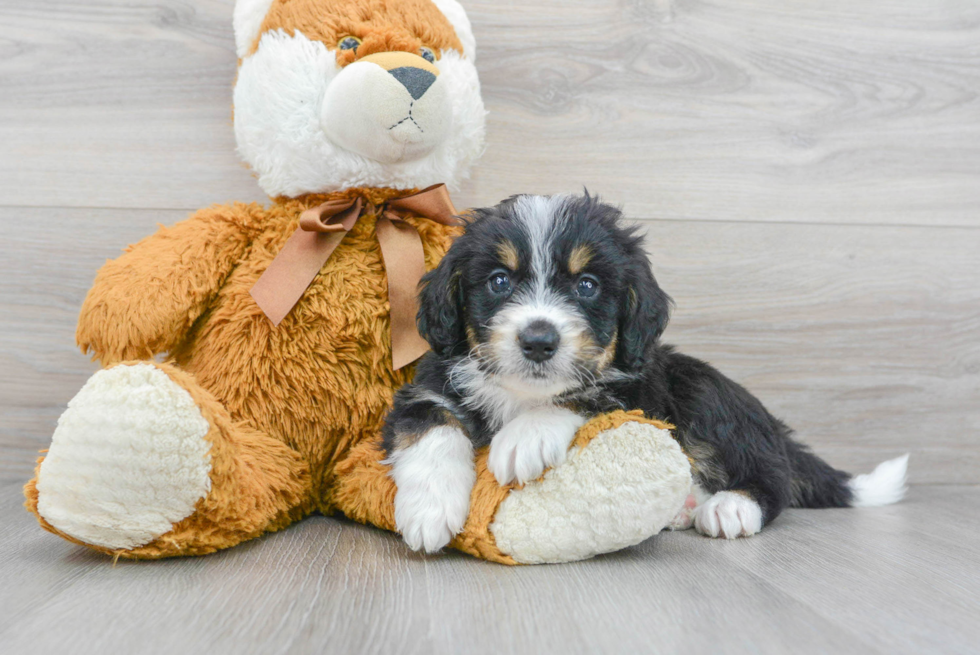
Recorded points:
(546, 313)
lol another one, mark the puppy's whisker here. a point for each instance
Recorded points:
(589, 376)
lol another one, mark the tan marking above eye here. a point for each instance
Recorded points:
(508, 255)
(579, 259)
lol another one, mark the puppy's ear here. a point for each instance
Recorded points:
(644, 314)
(440, 317)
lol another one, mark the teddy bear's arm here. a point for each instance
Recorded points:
(143, 302)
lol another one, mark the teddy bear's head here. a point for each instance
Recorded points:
(333, 94)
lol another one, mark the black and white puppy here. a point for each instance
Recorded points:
(546, 313)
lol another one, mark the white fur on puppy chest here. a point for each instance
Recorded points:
(127, 460)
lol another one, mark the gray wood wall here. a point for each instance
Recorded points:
(808, 175)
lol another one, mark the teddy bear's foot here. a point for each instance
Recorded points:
(620, 488)
(127, 461)
(145, 463)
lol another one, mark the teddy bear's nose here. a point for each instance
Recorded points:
(415, 73)
(416, 80)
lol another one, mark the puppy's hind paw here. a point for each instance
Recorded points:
(728, 514)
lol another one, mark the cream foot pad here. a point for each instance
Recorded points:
(127, 460)
(626, 485)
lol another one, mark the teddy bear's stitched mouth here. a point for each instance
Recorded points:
(408, 118)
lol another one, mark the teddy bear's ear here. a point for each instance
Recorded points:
(247, 22)
(456, 15)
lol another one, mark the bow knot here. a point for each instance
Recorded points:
(322, 228)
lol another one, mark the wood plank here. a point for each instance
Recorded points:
(862, 338)
(720, 110)
(880, 557)
(847, 581)
(119, 104)
(738, 110)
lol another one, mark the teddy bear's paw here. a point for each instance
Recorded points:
(530, 443)
(728, 514)
(622, 487)
(128, 459)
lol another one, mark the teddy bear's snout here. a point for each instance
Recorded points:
(388, 106)
(413, 72)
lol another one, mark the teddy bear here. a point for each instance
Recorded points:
(249, 353)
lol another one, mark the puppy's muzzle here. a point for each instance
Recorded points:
(539, 341)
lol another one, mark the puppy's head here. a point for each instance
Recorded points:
(545, 293)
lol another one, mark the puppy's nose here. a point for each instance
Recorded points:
(539, 341)
(416, 80)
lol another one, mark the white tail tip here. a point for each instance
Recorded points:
(883, 486)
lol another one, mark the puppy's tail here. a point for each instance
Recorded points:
(883, 486)
(817, 484)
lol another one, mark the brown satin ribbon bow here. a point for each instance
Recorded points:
(322, 228)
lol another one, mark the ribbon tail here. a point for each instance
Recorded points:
(404, 258)
(281, 286)
(433, 203)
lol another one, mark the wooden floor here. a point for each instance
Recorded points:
(808, 177)
(902, 579)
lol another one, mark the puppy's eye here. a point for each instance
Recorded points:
(427, 54)
(587, 287)
(349, 43)
(499, 283)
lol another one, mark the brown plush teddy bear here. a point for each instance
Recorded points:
(285, 329)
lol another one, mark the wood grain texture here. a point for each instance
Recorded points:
(719, 110)
(884, 580)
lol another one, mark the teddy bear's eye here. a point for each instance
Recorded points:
(428, 55)
(349, 43)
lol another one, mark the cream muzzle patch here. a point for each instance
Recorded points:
(389, 106)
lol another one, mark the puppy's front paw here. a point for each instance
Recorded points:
(429, 519)
(535, 440)
(434, 478)
(728, 514)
